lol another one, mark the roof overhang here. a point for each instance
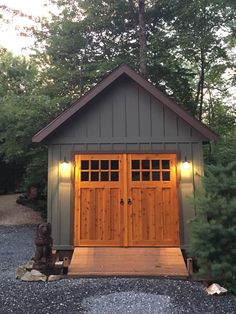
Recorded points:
(102, 85)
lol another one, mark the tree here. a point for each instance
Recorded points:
(89, 38)
(214, 231)
(142, 39)
(197, 29)
(177, 41)
(24, 109)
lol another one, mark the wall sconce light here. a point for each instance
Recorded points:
(65, 165)
(185, 164)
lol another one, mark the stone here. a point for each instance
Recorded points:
(27, 277)
(34, 275)
(215, 288)
(20, 271)
(29, 265)
(54, 277)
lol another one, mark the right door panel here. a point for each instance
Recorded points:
(153, 218)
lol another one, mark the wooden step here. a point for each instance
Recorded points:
(111, 261)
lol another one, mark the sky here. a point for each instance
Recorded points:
(9, 33)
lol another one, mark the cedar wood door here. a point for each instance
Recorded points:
(126, 200)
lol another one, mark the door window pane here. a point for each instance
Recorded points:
(114, 164)
(84, 176)
(105, 176)
(104, 164)
(114, 176)
(146, 176)
(165, 164)
(155, 164)
(166, 176)
(95, 176)
(145, 164)
(94, 164)
(156, 176)
(84, 164)
(135, 164)
(135, 176)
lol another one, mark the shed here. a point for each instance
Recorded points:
(124, 163)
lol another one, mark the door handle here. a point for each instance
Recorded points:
(129, 201)
(122, 201)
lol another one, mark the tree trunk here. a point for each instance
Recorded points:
(142, 40)
(202, 84)
(200, 87)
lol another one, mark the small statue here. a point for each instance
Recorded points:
(43, 242)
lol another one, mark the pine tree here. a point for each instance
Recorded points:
(214, 231)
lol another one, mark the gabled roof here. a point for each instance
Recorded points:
(114, 75)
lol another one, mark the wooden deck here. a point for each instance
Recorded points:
(104, 261)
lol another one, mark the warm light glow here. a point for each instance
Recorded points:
(186, 165)
(65, 166)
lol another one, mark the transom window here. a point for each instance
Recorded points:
(150, 170)
(99, 170)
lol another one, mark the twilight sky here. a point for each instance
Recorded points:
(9, 33)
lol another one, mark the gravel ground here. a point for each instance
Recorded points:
(12, 213)
(95, 295)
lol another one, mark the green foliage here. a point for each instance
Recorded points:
(189, 54)
(186, 56)
(36, 172)
(223, 121)
(23, 110)
(214, 230)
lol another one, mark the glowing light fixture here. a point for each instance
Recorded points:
(185, 164)
(65, 165)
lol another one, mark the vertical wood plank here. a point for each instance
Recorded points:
(145, 122)
(119, 111)
(166, 212)
(132, 110)
(107, 220)
(93, 120)
(184, 129)
(170, 123)
(157, 118)
(159, 221)
(106, 115)
(125, 209)
(115, 214)
(55, 149)
(136, 214)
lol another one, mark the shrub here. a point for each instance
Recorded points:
(213, 233)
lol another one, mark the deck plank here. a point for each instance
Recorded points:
(104, 261)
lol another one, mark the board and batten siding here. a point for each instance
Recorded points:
(123, 118)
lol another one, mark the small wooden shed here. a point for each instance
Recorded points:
(124, 162)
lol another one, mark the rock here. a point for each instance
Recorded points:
(27, 277)
(34, 275)
(215, 288)
(29, 265)
(54, 277)
(20, 271)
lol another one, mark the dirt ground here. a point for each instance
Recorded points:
(12, 213)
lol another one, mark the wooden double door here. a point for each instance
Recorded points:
(126, 200)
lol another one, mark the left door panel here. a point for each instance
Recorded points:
(99, 212)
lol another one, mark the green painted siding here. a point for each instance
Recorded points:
(125, 118)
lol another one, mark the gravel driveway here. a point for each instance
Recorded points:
(94, 295)
(87, 295)
(12, 213)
